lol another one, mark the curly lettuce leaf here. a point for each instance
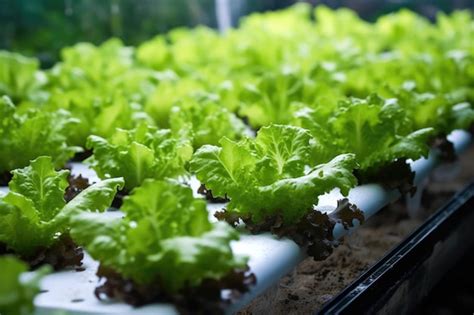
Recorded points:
(85, 63)
(18, 288)
(375, 130)
(165, 236)
(34, 213)
(96, 112)
(19, 76)
(27, 135)
(170, 91)
(206, 121)
(140, 153)
(101, 87)
(442, 112)
(272, 174)
(273, 98)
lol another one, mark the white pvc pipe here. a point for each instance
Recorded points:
(224, 21)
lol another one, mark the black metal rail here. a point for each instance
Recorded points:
(400, 280)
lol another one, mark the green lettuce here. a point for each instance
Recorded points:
(140, 153)
(273, 98)
(85, 64)
(96, 114)
(25, 135)
(439, 111)
(170, 91)
(165, 236)
(20, 77)
(376, 130)
(206, 121)
(18, 288)
(34, 213)
(272, 174)
(101, 87)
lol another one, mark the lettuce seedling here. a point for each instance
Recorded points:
(20, 77)
(376, 130)
(165, 238)
(25, 135)
(444, 113)
(206, 121)
(140, 153)
(34, 214)
(272, 174)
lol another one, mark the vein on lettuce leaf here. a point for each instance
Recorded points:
(165, 236)
(272, 174)
(18, 287)
(140, 153)
(34, 213)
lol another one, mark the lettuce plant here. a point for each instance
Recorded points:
(85, 64)
(101, 87)
(140, 153)
(169, 92)
(25, 135)
(96, 114)
(377, 131)
(18, 288)
(20, 77)
(272, 174)
(438, 111)
(273, 98)
(165, 237)
(34, 213)
(206, 121)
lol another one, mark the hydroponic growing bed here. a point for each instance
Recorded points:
(173, 177)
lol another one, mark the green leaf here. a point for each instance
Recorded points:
(19, 77)
(223, 169)
(30, 133)
(95, 198)
(272, 174)
(165, 230)
(18, 288)
(374, 129)
(138, 154)
(34, 213)
(207, 122)
(40, 183)
(295, 196)
(286, 150)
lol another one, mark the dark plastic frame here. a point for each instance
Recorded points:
(399, 281)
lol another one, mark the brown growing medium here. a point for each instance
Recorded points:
(207, 298)
(76, 185)
(64, 253)
(207, 193)
(315, 282)
(314, 230)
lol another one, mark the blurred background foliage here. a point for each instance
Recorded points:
(43, 27)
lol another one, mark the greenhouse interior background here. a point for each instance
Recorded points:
(43, 27)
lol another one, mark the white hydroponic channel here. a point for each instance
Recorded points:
(270, 258)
